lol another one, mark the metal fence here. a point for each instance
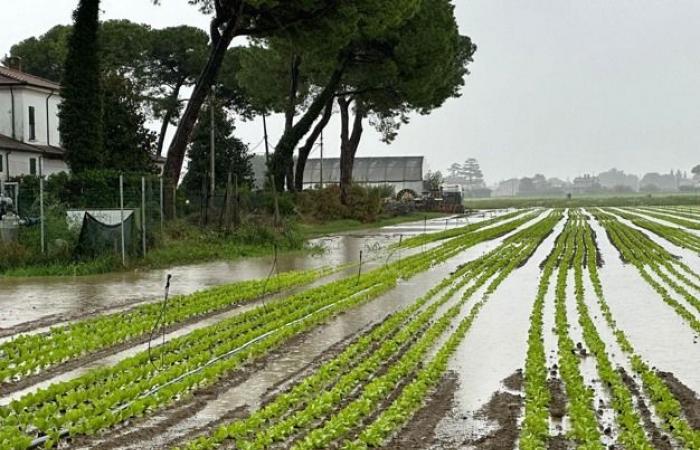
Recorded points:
(50, 214)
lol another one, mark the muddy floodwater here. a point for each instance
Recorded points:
(24, 300)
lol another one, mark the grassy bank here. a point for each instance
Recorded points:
(313, 230)
(180, 244)
(183, 244)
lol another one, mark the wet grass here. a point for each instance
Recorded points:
(312, 230)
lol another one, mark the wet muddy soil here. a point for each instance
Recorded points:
(658, 439)
(504, 409)
(557, 402)
(690, 402)
(420, 433)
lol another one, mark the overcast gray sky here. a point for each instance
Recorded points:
(560, 87)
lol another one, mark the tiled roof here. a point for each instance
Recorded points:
(12, 77)
(7, 143)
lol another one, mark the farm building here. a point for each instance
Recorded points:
(403, 173)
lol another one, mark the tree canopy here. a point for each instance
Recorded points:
(231, 154)
(81, 125)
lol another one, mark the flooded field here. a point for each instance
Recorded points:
(529, 329)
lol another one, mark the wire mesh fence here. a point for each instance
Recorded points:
(61, 216)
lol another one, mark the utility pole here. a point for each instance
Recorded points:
(41, 212)
(267, 145)
(321, 167)
(121, 216)
(212, 151)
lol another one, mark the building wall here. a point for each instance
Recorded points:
(24, 97)
(5, 112)
(38, 100)
(20, 164)
(6, 99)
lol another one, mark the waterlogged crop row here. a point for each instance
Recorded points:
(640, 251)
(631, 432)
(675, 235)
(412, 397)
(686, 213)
(584, 424)
(310, 416)
(691, 224)
(27, 354)
(666, 406)
(421, 239)
(135, 387)
(534, 432)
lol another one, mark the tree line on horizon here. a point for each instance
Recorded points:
(376, 63)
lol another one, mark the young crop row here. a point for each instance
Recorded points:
(686, 213)
(534, 432)
(631, 432)
(584, 424)
(325, 408)
(666, 406)
(135, 386)
(427, 238)
(571, 250)
(27, 354)
(691, 224)
(675, 235)
(642, 252)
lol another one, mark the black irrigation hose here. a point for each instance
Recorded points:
(159, 324)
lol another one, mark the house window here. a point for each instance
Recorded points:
(32, 124)
(32, 166)
(2, 161)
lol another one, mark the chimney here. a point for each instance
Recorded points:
(15, 62)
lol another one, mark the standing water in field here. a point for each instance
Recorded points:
(52, 299)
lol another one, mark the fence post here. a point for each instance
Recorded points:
(162, 213)
(41, 213)
(121, 215)
(143, 215)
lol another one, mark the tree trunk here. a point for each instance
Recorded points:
(305, 151)
(183, 135)
(291, 112)
(349, 143)
(284, 151)
(174, 96)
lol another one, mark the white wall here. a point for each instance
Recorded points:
(24, 97)
(20, 164)
(37, 99)
(5, 112)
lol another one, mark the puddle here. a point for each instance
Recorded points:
(658, 334)
(25, 300)
(494, 348)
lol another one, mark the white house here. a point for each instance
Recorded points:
(29, 138)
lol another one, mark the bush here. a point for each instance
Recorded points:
(324, 204)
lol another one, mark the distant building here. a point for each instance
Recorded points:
(507, 188)
(403, 173)
(616, 179)
(586, 183)
(669, 182)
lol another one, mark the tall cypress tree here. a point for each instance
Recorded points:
(81, 124)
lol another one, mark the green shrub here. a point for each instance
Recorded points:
(324, 204)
